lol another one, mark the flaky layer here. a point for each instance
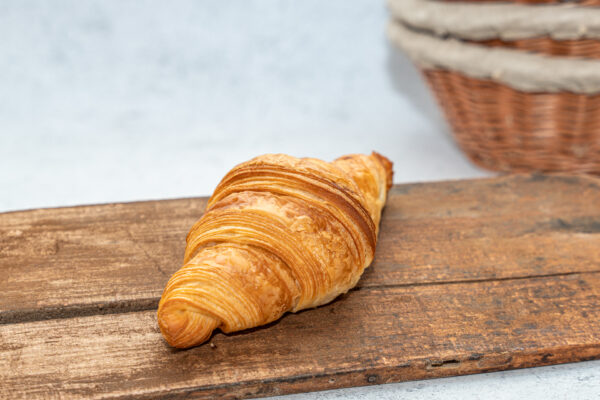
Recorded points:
(279, 234)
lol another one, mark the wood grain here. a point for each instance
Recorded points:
(370, 336)
(85, 260)
(469, 276)
(117, 257)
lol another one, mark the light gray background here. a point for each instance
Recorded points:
(104, 101)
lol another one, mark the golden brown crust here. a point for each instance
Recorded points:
(279, 234)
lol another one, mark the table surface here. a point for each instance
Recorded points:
(117, 101)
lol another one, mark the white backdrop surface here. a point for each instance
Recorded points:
(107, 101)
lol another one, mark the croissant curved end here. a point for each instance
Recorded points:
(182, 327)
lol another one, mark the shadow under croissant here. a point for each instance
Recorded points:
(218, 332)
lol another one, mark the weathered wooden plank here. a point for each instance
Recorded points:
(117, 257)
(371, 335)
(65, 261)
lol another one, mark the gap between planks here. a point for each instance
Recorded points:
(127, 306)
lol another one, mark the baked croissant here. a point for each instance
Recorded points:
(279, 234)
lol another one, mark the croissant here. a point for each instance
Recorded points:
(279, 234)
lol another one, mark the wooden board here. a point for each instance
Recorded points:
(469, 276)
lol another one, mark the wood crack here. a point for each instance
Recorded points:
(466, 281)
(121, 307)
(153, 261)
(77, 310)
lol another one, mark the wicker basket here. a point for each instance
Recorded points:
(505, 127)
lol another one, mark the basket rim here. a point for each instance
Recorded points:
(520, 70)
(480, 21)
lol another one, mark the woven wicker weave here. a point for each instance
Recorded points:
(504, 129)
(582, 48)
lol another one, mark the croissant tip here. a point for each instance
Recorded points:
(183, 328)
(388, 166)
